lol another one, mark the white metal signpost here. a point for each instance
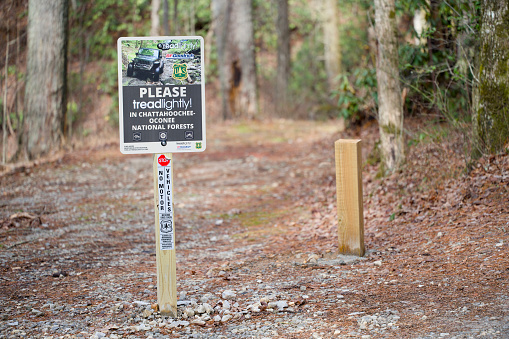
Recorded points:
(162, 111)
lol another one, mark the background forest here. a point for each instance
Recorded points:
(330, 73)
(259, 216)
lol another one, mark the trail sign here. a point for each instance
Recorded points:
(162, 111)
(161, 94)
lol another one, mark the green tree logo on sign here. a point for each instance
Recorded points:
(180, 71)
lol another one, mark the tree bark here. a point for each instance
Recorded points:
(166, 18)
(245, 105)
(329, 18)
(154, 17)
(491, 110)
(283, 54)
(4, 118)
(45, 92)
(421, 25)
(236, 57)
(221, 16)
(176, 30)
(390, 109)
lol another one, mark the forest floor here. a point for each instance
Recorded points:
(256, 241)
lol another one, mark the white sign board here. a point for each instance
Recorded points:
(161, 94)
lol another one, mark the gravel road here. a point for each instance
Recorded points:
(77, 250)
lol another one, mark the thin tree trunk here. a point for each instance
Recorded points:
(154, 17)
(436, 42)
(18, 53)
(421, 25)
(221, 10)
(133, 18)
(208, 44)
(166, 18)
(390, 111)
(491, 113)
(192, 18)
(4, 120)
(283, 54)
(329, 13)
(19, 128)
(45, 96)
(176, 30)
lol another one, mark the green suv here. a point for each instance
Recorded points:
(147, 60)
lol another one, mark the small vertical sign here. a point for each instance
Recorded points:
(164, 186)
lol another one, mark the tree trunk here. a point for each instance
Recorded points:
(491, 112)
(435, 43)
(467, 50)
(329, 17)
(192, 18)
(283, 54)
(221, 16)
(246, 104)
(166, 18)
(45, 92)
(390, 110)
(209, 40)
(4, 118)
(421, 26)
(175, 25)
(154, 17)
(236, 58)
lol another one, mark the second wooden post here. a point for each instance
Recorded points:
(349, 196)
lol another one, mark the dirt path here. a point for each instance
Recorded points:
(256, 246)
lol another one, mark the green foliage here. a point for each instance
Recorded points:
(96, 25)
(308, 78)
(15, 118)
(72, 111)
(11, 70)
(189, 12)
(264, 18)
(356, 92)
(109, 84)
(357, 95)
(203, 15)
(353, 36)
(417, 139)
(438, 74)
(301, 19)
(375, 156)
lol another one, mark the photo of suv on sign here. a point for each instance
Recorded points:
(161, 62)
(147, 60)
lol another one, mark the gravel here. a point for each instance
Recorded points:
(88, 271)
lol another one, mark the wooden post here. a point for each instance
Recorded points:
(349, 194)
(165, 240)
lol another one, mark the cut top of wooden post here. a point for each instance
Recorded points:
(349, 196)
